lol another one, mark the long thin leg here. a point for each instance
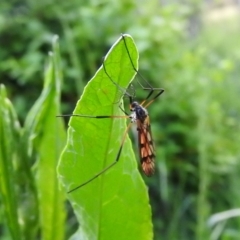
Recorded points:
(88, 116)
(149, 88)
(154, 98)
(123, 90)
(98, 117)
(109, 166)
(134, 68)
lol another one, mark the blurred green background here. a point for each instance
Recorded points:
(189, 48)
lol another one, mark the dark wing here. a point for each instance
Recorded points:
(146, 148)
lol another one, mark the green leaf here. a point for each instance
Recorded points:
(9, 137)
(115, 205)
(46, 134)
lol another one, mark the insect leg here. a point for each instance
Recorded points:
(149, 88)
(160, 91)
(109, 166)
(88, 116)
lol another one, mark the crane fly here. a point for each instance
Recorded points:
(139, 116)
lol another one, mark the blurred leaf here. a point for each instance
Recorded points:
(223, 216)
(115, 205)
(48, 137)
(9, 137)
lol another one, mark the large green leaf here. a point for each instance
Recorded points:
(115, 205)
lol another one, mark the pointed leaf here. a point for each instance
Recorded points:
(115, 205)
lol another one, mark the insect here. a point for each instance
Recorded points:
(139, 116)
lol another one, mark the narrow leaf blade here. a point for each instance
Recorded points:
(42, 122)
(9, 138)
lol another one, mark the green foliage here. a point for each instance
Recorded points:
(9, 137)
(28, 181)
(84, 43)
(195, 123)
(120, 196)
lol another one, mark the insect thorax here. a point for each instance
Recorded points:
(138, 112)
